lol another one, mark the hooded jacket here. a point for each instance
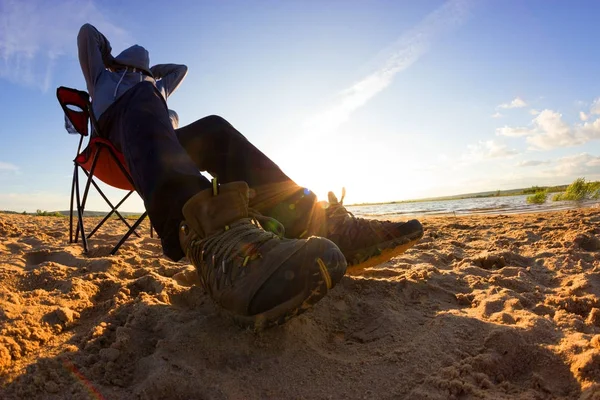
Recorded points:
(108, 77)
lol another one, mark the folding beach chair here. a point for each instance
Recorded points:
(100, 159)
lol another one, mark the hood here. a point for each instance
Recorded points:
(135, 56)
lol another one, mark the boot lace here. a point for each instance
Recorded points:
(230, 251)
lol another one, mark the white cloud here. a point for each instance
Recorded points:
(532, 163)
(33, 35)
(589, 130)
(595, 107)
(489, 149)
(513, 132)
(553, 132)
(549, 131)
(533, 111)
(497, 115)
(4, 166)
(406, 51)
(583, 116)
(517, 102)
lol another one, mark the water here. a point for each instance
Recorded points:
(487, 205)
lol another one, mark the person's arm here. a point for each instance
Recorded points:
(169, 76)
(94, 54)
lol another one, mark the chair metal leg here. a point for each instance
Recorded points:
(124, 238)
(80, 222)
(113, 210)
(76, 239)
(116, 211)
(71, 207)
(89, 180)
(81, 202)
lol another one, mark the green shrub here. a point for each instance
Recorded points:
(594, 190)
(538, 198)
(579, 190)
(532, 190)
(557, 197)
(44, 213)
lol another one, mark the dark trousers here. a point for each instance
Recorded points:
(165, 164)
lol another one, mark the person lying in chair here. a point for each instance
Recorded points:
(265, 249)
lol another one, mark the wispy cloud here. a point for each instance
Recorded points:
(532, 163)
(406, 51)
(8, 167)
(516, 103)
(35, 34)
(489, 149)
(497, 115)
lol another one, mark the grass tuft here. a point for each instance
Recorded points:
(538, 198)
(579, 190)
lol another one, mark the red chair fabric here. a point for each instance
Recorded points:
(68, 98)
(106, 169)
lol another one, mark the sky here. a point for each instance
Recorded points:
(391, 99)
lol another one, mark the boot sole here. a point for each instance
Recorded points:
(321, 284)
(385, 255)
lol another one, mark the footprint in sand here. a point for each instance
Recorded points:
(34, 258)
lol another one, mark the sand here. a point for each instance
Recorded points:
(491, 307)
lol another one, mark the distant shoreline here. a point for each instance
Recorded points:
(477, 195)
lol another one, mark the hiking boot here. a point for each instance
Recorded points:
(367, 242)
(256, 276)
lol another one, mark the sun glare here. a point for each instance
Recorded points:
(328, 164)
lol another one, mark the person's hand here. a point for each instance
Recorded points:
(155, 72)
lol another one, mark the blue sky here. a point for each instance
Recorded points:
(392, 99)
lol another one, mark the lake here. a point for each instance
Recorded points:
(487, 205)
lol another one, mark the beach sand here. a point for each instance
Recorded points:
(492, 307)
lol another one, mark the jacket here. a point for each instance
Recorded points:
(108, 77)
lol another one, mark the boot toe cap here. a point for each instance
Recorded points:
(304, 278)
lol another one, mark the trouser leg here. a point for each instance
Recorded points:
(217, 147)
(164, 176)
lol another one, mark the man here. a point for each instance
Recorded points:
(234, 235)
